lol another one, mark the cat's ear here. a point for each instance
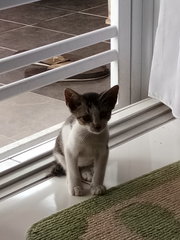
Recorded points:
(72, 98)
(109, 98)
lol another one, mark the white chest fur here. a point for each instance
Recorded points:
(86, 146)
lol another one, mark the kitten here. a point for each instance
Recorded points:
(81, 148)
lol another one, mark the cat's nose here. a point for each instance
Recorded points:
(97, 127)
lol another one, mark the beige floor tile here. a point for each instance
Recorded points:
(29, 113)
(5, 140)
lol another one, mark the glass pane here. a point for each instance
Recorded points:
(32, 25)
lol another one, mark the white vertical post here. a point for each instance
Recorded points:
(147, 44)
(121, 69)
(136, 47)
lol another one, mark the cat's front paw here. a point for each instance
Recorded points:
(76, 191)
(98, 189)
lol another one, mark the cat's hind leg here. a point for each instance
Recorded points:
(59, 168)
(60, 159)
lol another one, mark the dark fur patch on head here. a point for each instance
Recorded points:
(92, 109)
(109, 98)
(91, 99)
(73, 99)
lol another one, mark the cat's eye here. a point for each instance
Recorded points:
(87, 118)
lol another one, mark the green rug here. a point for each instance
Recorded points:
(147, 208)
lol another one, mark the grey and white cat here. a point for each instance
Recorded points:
(81, 148)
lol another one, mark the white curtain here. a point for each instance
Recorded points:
(164, 82)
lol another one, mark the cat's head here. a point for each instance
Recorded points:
(92, 110)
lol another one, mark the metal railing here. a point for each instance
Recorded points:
(54, 49)
(120, 51)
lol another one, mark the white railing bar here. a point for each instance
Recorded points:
(54, 49)
(13, 3)
(52, 76)
(121, 69)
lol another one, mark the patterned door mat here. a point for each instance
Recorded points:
(147, 208)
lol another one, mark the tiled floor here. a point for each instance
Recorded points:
(33, 25)
(141, 155)
(28, 115)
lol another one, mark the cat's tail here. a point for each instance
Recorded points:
(57, 171)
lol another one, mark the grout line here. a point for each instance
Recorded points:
(73, 11)
(52, 7)
(24, 24)
(10, 21)
(35, 26)
(14, 30)
(46, 21)
(57, 8)
(65, 15)
(5, 48)
(104, 4)
(47, 29)
(91, 14)
(30, 25)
